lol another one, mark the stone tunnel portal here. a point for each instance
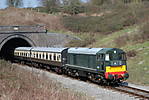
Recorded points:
(8, 48)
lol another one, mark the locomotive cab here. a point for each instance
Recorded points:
(113, 63)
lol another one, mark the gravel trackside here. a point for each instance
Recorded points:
(92, 90)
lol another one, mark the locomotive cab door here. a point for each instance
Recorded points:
(101, 62)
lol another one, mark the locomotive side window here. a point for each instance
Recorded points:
(124, 57)
(100, 57)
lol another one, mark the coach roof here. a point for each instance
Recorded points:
(48, 49)
(41, 49)
(24, 48)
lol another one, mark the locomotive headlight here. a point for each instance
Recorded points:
(97, 67)
(114, 51)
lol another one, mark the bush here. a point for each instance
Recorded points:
(131, 53)
(145, 31)
(139, 37)
(122, 40)
(82, 43)
(105, 24)
(119, 16)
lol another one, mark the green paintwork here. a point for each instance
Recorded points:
(91, 61)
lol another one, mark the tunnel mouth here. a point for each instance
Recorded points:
(7, 51)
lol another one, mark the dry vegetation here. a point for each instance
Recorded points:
(20, 16)
(139, 37)
(18, 84)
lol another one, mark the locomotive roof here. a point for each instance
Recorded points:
(92, 51)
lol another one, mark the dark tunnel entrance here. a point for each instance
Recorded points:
(8, 48)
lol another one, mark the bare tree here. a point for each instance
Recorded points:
(51, 5)
(14, 3)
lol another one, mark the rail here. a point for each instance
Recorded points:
(142, 94)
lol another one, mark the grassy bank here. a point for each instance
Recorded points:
(18, 84)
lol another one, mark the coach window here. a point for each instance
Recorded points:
(57, 57)
(50, 56)
(36, 55)
(54, 58)
(39, 56)
(46, 56)
(42, 55)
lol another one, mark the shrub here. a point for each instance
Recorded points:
(119, 16)
(145, 31)
(122, 40)
(82, 43)
(105, 24)
(131, 53)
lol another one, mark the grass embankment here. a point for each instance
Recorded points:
(18, 84)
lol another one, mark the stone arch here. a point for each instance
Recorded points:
(8, 45)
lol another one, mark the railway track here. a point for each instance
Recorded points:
(138, 93)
